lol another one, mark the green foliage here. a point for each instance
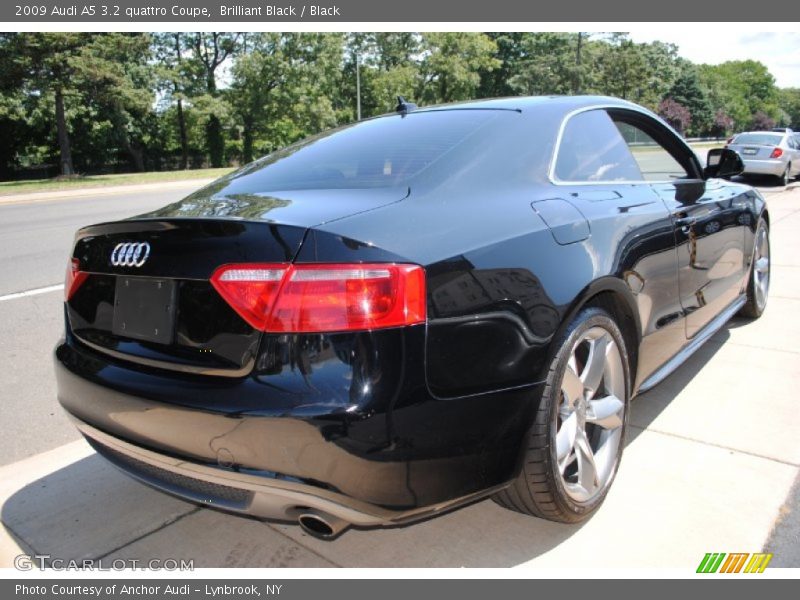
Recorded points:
(741, 89)
(95, 103)
(451, 65)
(789, 101)
(546, 64)
(687, 91)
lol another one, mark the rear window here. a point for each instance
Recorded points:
(383, 152)
(758, 139)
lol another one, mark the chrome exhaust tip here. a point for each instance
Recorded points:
(322, 525)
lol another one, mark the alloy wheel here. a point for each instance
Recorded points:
(591, 414)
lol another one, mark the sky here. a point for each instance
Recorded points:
(780, 51)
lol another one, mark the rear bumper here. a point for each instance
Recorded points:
(764, 167)
(249, 494)
(436, 455)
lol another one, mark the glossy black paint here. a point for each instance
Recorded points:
(405, 418)
(347, 413)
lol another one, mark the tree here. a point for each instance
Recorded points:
(762, 121)
(623, 68)
(95, 103)
(44, 64)
(256, 75)
(210, 50)
(391, 69)
(547, 64)
(115, 78)
(687, 91)
(723, 124)
(789, 101)
(282, 70)
(662, 70)
(674, 113)
(93, 79)
(451, 66)
(169, 50)
(495, 82)
(740, 88)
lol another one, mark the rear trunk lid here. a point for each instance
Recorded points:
(147, 297)
(752, 151)
(756, 145)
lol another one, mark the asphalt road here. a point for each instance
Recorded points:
(35, 239)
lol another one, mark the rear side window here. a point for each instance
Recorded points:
(655, 162)
(383, 152)
(592, 149)
(758, 139)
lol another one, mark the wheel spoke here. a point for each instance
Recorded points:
(605, 412)
(761, 268)
(565, 440)
(587, 470)
(592, 373)
(571, 385)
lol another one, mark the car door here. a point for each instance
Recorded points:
(631, 229)
(794, 149)
(706, 216)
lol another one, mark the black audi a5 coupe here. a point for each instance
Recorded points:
(406, 314)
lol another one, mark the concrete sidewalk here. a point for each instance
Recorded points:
(711, 458)
(87, 192)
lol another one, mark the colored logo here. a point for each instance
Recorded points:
(736, 562)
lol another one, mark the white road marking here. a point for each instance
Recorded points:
(35, 292)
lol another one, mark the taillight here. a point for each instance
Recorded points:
(776, 153)
(74, 278)
(250, 289)
(323, 297)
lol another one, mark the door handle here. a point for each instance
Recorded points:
(686, 224)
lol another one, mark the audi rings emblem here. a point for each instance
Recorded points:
(130, 254)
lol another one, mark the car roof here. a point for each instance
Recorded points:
(522, 103)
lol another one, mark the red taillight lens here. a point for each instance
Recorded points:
(729, 141)
(349, 297)
(324, 298)
(250, 289)
(74, 278)
(776, 153)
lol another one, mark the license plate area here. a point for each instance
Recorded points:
(749, 150)
(144, 309)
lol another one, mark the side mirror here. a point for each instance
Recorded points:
(724, 163)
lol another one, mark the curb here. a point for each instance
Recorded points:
(88, 192)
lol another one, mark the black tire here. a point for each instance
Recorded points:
(785, 178)
(539, 489)
(755, 306)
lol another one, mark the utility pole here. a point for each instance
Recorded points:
(358, 89)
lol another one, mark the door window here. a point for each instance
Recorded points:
(654, 161)
(592, 149)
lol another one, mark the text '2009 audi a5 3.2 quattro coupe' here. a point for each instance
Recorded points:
(400, 316)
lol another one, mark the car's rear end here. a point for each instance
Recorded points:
(763, 152)
(166, 361)
(226, 351)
